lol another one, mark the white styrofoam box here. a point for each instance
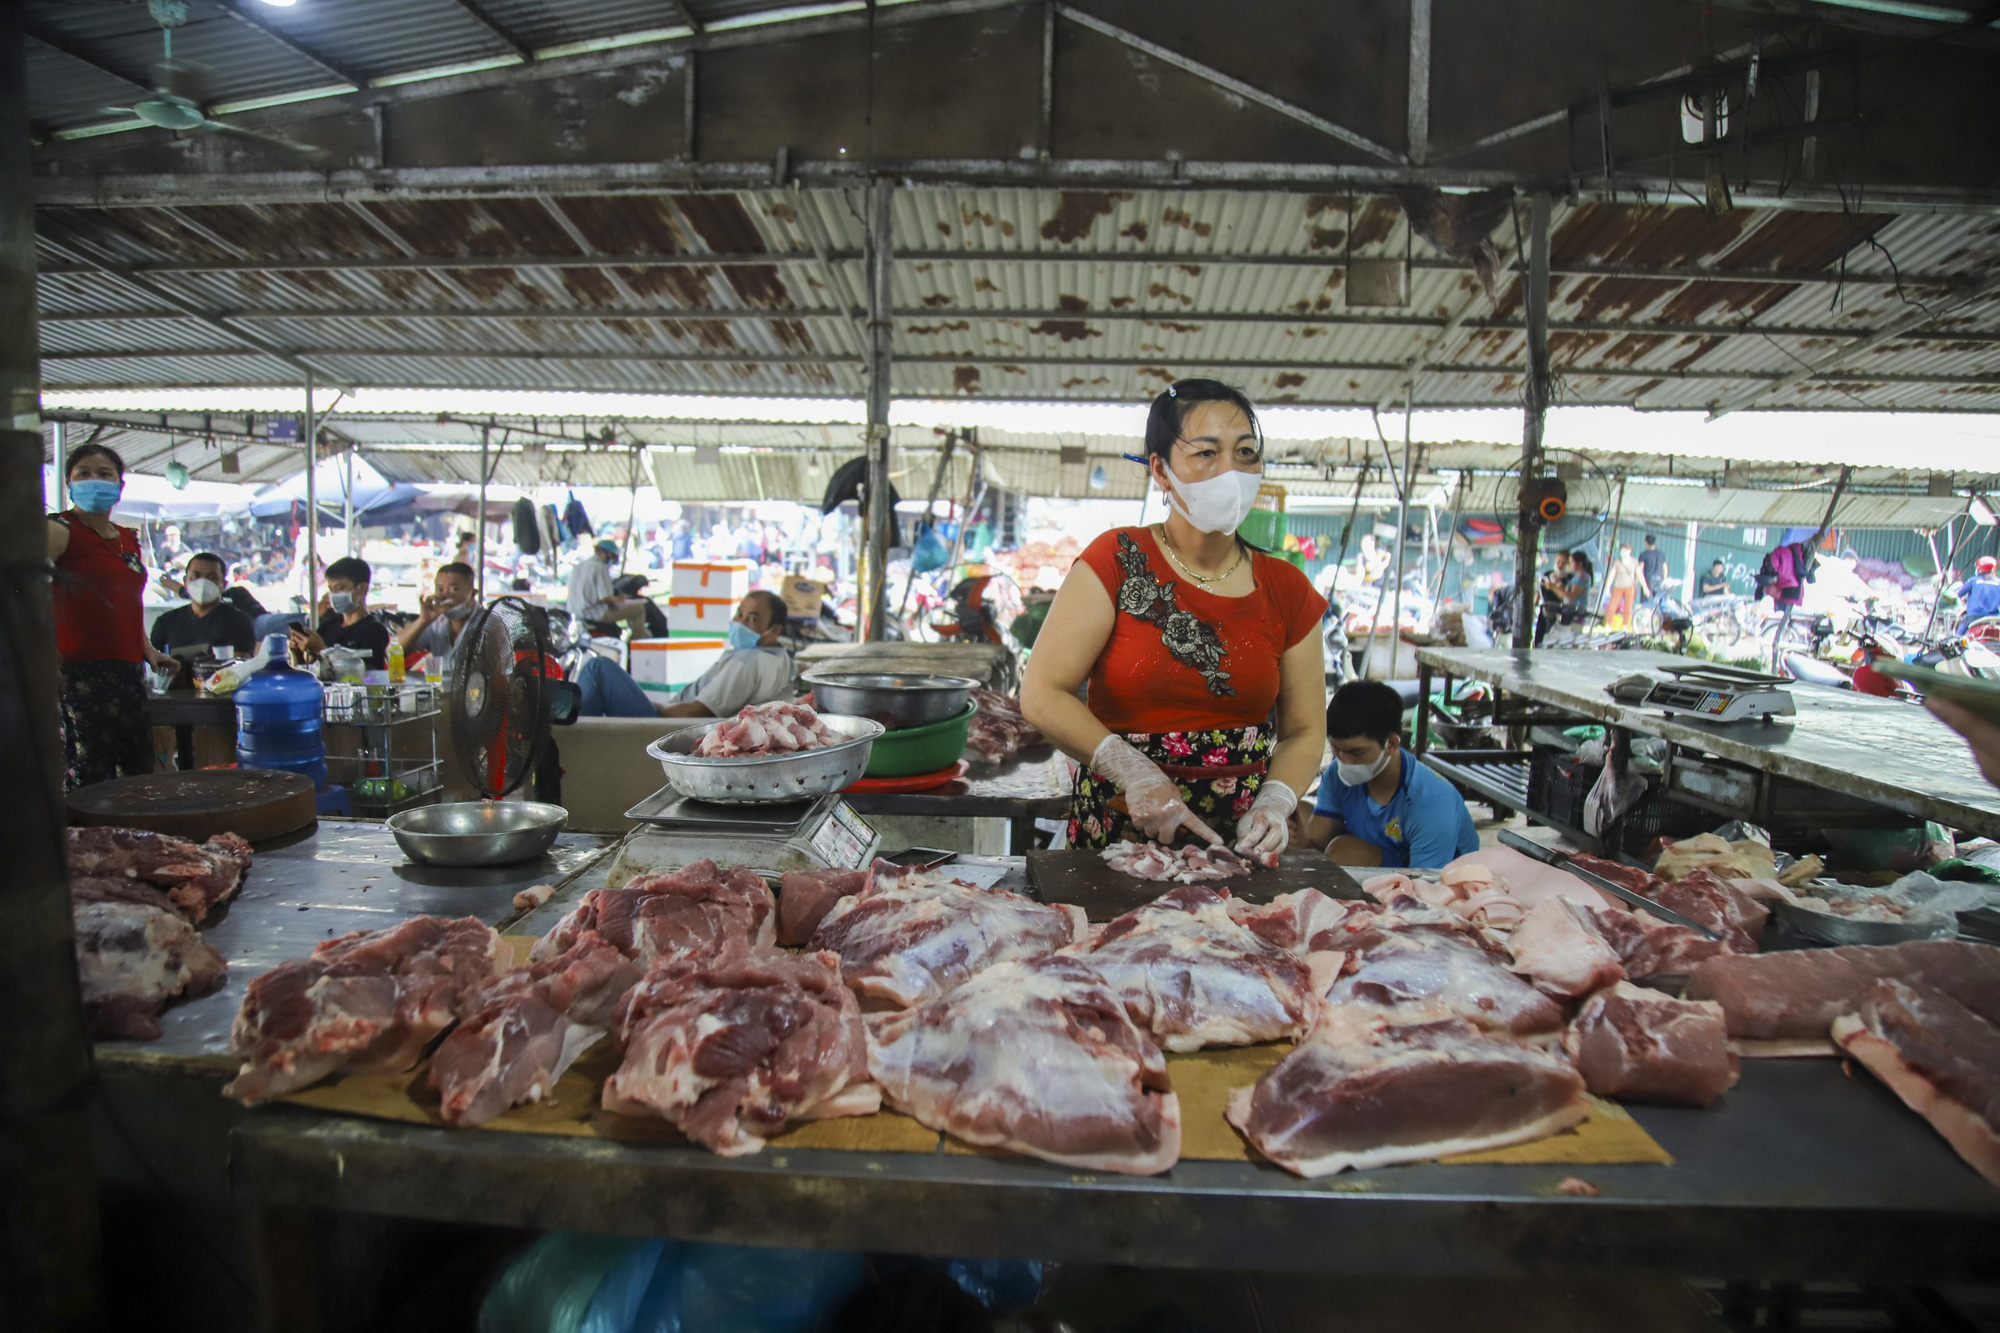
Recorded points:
(729, 579)
(704, 617)
(660, 665)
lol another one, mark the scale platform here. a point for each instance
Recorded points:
(1721, 694)
(826, 828)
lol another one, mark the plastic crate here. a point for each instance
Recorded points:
(1558, 786)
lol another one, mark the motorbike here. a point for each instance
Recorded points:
(1337, 644)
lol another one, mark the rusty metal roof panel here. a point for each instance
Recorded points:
(379, 38)
(542, 25)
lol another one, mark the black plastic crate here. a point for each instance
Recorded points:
(1558, 786)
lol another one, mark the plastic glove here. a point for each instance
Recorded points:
(1151, 798)
(1266, 829)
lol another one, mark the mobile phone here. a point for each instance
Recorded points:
(920, 858)
(1980, 695)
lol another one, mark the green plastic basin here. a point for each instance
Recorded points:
(914, 750)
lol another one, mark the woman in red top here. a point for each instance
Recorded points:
(1192, 642)
(100, 626)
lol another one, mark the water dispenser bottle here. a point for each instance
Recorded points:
(278, 718)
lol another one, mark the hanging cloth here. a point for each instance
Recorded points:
(527, 532)
(575, 519)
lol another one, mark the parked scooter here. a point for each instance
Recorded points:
(1338, 665)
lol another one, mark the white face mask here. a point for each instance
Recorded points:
(203, 592)
(1355, 775)
(1217, 505)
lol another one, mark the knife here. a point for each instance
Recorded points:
(1549, 856)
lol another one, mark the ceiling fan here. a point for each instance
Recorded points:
(180, 90)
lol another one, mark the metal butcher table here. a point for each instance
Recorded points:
(1860, 751)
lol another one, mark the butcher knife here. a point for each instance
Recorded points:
(1549, 856)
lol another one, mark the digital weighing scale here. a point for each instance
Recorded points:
(1721, 694)
(821, 833)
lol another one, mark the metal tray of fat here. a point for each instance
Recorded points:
(766, 778)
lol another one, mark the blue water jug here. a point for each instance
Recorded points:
(278, 718)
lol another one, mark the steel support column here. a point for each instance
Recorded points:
(48, 1185)
(479, 575)
(1535, 306)
(1402, 530)
(311, 434)
(880, 513)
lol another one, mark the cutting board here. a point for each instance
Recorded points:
(256, 803)
(1084, 878)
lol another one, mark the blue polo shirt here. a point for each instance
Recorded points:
(1425, 823)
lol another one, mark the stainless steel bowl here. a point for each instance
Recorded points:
(478, 833)
(766, 778)
(896, 701)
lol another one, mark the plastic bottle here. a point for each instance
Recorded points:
(278, 713)
(395, 662)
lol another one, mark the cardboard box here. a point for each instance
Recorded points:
(728, 579)
(662, 666)
(803, 594)
(700, 617)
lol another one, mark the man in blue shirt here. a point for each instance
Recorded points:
(1980, 593)
(1378, 806)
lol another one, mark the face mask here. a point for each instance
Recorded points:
(1355, 775)
(341, 602)
(95, 496)
(458, 611)
(742, 636)
(203, 592)
(1218, 505)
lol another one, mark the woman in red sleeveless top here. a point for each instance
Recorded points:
(100, 626)
(1191, 642)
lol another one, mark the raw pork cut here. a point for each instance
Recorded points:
(1641, 1046)
(910, 936)
(1399, 955)
(999, 728)
(688, 912)
(133, 955)
(1731, 912)
(1374, 1087)
(1182, 865)
(196, 879)
(777, 728)
(1559, 947)
(1940, 1057)
(1798, 994)
(1302, 922)
(518, 1029)
(372, 1000)
(1193, 977)
(1039, 1057)
(732, 1048)
(1525, 880)
(806, 896)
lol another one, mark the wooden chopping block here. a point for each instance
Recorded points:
(256, 803)
(1084, 878)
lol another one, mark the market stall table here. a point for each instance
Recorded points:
(186, 709)
(1035, 783)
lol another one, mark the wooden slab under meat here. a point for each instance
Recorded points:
(1075, 875)
(256, 803)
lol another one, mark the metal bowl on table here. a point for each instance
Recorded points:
(478, 833)
(896, 701)
(766, 779)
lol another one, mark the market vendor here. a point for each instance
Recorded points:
(591, 598)
(1191, 641)
(1377, 806)
(207, 621)
(753, 669)
(345, 620)
(100, 626)
(441, 617)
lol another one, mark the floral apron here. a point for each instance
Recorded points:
(1218, 772)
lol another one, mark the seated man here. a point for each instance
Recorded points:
(1377, 805)
(754, 670)
(434, 633)
(207, 619)
(591, 598)
(345, 620)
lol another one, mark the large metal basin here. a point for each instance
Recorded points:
(896, 701)
(766, 778)
(478, 833)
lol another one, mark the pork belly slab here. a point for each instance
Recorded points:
(1798, 993)
(732, 1048)
(1038, 1057)
(1641, 1046)
(806, 896)
(1939, 1056)
(1408, 953)
(1376, 1087)
(687, 913)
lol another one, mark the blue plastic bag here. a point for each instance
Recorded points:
(679, 1287)
(550, 1286)
(929, 552)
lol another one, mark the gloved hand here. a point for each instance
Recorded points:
(1151, 798)
(1266, 829)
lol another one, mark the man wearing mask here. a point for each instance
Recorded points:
(1377, 805)
(435, 631)
(207, 619)
(345, 621)
(754, 670)
(590, 594)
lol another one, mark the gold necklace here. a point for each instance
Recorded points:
(1167, 545)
